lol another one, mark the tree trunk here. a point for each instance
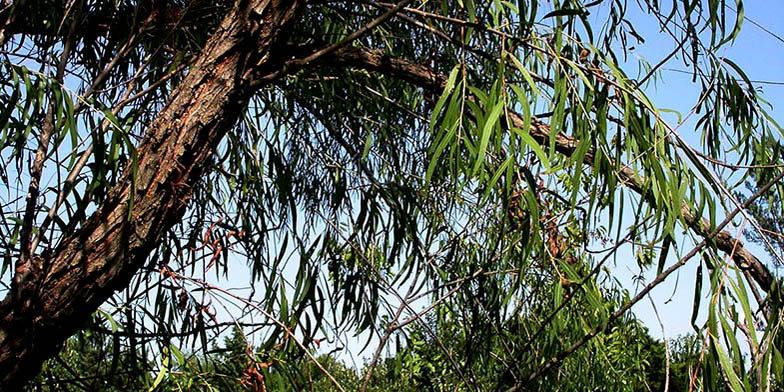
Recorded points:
(53, 295)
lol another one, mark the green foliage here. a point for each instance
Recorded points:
(626, 359)
(92, 361)
(500, 191)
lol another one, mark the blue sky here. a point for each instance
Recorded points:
(761, 55)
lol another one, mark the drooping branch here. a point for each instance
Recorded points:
(426, 78)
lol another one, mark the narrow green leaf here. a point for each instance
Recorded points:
(724, 361)
(487, 131)
(162, 372)
(526, 75)
(450, 84)
(434, 160)
(748, 315)
(535, 147)
(496, 176)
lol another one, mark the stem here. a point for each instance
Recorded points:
(660, 278)
(47, 130)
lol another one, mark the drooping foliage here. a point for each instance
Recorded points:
(466, 174)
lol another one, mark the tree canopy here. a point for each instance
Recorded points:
(454, 182)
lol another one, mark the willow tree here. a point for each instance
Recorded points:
(369, 163)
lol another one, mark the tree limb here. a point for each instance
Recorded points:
(426, 78)
(43, 309)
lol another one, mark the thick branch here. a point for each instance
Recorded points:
(424, 77)
(44, 308)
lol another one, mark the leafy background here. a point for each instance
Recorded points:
(450, 229)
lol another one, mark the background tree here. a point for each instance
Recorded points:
(767, 212)
(359, 165)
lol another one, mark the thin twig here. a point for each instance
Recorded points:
(660, 278)
(289, 333)
(47, 129)
(299, 63)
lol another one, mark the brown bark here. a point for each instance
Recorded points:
(52, 297)
(424, 77)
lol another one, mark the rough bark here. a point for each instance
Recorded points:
(54, 294)
(424, 77)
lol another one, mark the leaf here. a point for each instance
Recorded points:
(5, 114)
(738, 23)
(450, 84)
(526, 75)
(177, 354)
(110, 319)
(697, 297)
(487, 131)
(439, 150)
(496, 177)
(748, 315)
(284, 305)
(724, 361)
(368, 144)
(535, 147)
(576, 68)
(162, 372)
(737, 69)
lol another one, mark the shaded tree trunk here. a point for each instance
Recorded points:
(53, 295)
